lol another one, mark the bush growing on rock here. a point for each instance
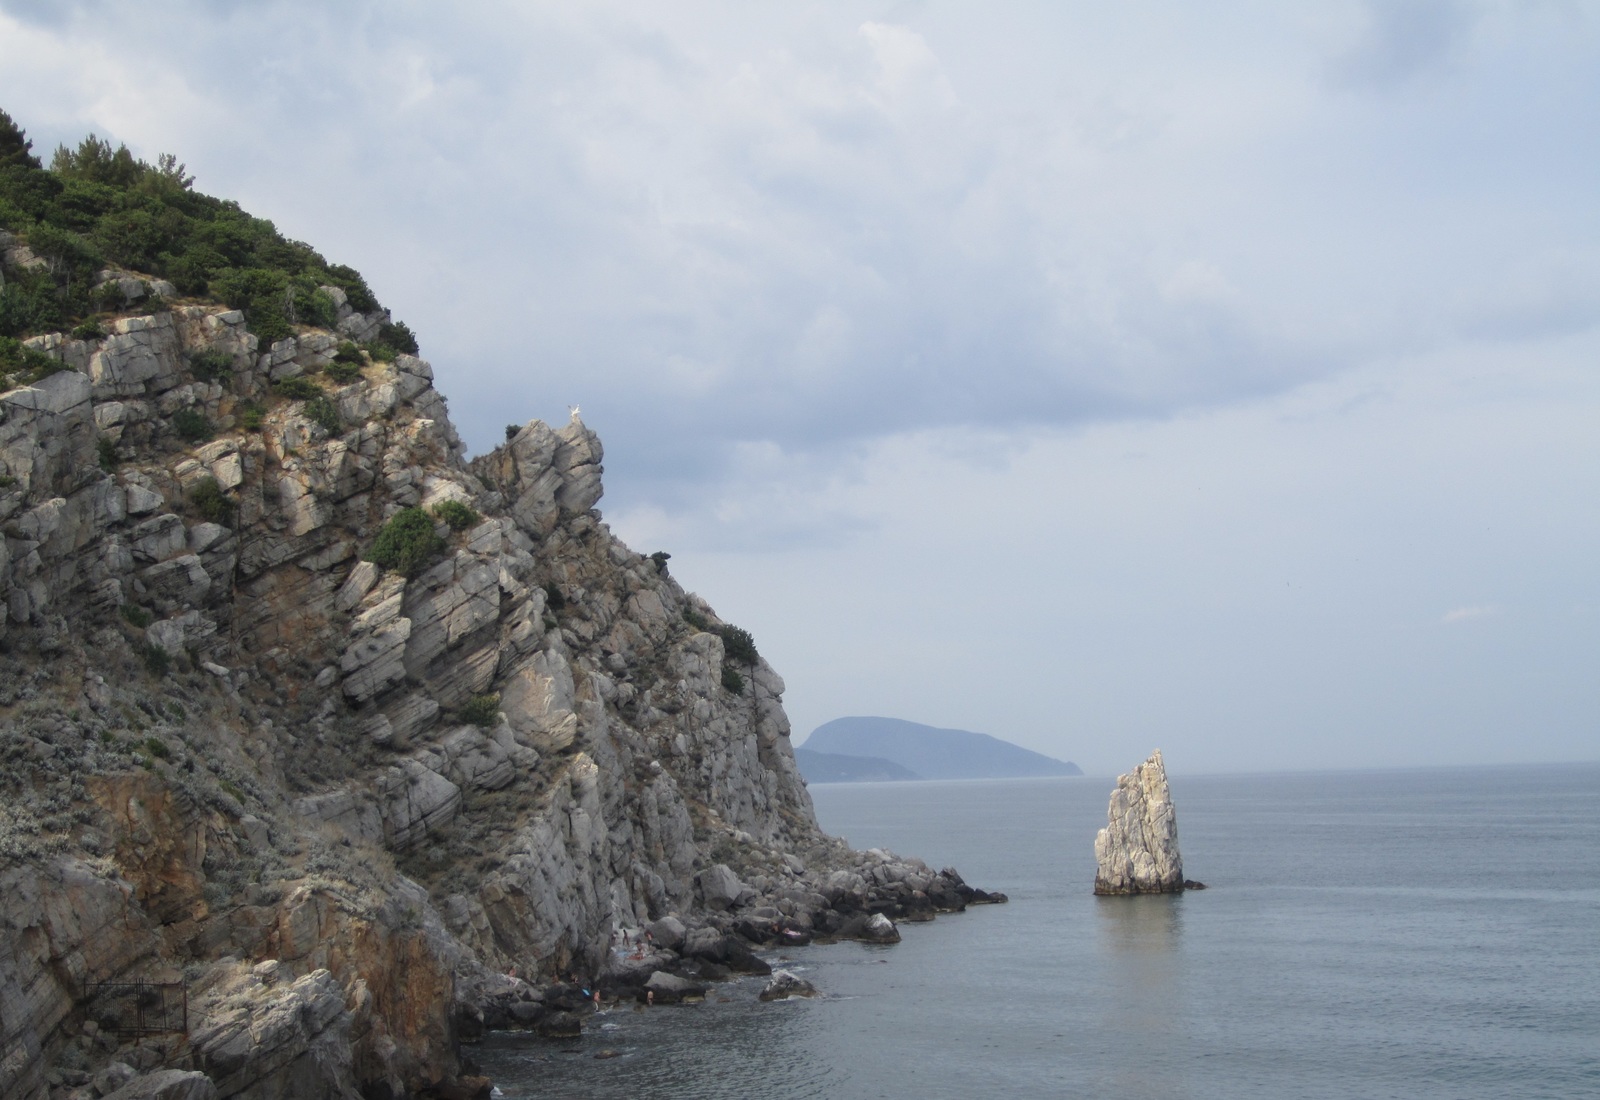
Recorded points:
(298, 388)
(106, 452)
(21, 365)
(137, 615)
(731, 680)
(737, 644)
(343, 373)
(191, 425)
(211, 502)
(456, 515)
(251, 417)
(481, 710)
(323, 413)
(96, 203)
(407, 542)
(211, 365)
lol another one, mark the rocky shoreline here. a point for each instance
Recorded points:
(333, 798)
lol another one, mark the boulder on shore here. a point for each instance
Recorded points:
(1137, 851)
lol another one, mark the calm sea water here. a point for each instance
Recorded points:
(1416, 934)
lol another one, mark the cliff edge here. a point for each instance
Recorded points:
(350, 742)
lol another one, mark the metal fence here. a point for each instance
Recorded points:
(134, 1009)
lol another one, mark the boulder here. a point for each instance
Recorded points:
(720, 887)
(879, 929)
(671, 989)
(1137, 851)
(667, 932)
(785, 984)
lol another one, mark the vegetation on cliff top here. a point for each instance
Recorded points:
(96, 205)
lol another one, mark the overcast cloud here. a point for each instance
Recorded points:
(1096, 376)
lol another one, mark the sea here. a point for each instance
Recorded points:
(1429, 933)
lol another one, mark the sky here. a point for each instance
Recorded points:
(1223, 378)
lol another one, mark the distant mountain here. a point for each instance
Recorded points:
(832, 767)
(930, 752)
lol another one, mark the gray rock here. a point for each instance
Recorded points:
(720, 888)
(1137, 851)
(880, 929)
(785, 984)
(667, 932)
(166, 1084)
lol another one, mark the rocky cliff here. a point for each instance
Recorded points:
(1137, 851)
(331, 801)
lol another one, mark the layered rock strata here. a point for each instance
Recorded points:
(1137, 851)
(339, 805)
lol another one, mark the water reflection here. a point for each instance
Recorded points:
(1145, 924)
(1144, 1001)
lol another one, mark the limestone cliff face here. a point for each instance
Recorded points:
(339, 802)
(1137, 851)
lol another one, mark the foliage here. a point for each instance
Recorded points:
(251, 417)
(481, 710)
(732, 680)
(106, 451)
(737, 644)
(695, 619)
(298, 388)
(156, 747)
(342, 372)
(661, 557)
(323, 413)
(97, 204)
(407, 543)
(211, 365)
(394, 338)
(88, 329)
(21, 365)
(211, 502)
(192, 425)
(156, 659)
(137, 615)
(456, 515)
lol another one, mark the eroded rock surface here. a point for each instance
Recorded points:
(1137, 851)
(358, 814)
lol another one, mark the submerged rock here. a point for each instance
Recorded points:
(1137, 851)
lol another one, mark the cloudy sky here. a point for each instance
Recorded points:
(1220, 377)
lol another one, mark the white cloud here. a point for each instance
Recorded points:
(1047, 333)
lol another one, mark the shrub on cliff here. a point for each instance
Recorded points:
(211, 502)
(96, 203)
(407, 542)
(456, 515)
(192, 425)
(737, 644)
(21, 365)
(298, 388)
(480, 710)
(323, 413)
(211, 365)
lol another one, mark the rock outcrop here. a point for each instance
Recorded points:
(1137, 851)
(337, 803)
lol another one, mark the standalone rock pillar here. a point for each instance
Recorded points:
(1138, 849)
